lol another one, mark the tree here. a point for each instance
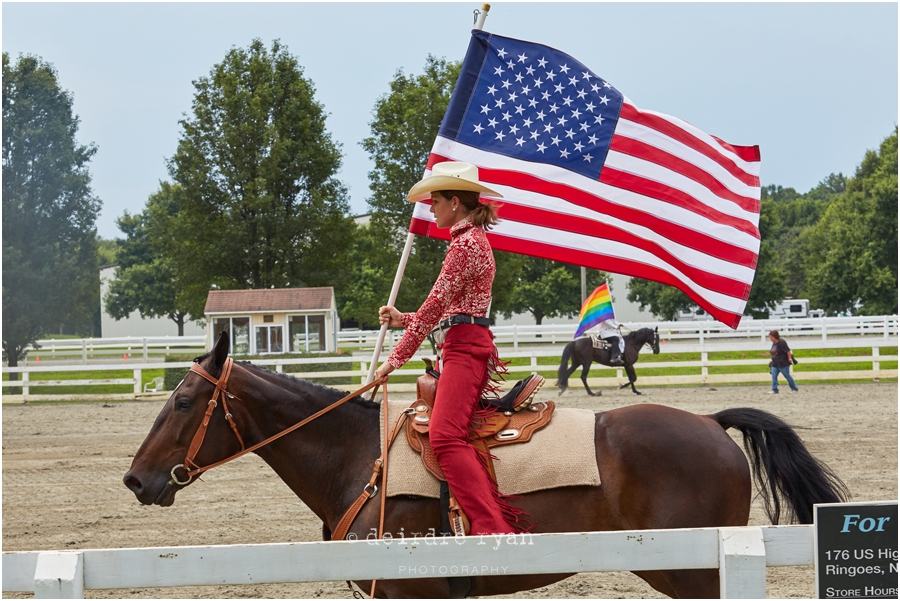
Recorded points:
(404, 126)
(145, 279)
(851, 258)
(49, 210)
(549, 289)
(664, 301)
(260, 206)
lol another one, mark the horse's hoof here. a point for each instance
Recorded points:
(639, 393)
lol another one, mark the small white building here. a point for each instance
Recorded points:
(273, 321)
(134, 324)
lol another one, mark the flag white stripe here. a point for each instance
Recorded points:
(648, 135)
(751, 167)
(670, 212)
(690, 256)
(536, 233)
(673, 179)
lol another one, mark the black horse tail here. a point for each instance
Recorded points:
(562, 376)
(785, 471)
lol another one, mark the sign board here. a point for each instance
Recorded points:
(856, 550)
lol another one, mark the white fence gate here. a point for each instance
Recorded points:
(740, 554)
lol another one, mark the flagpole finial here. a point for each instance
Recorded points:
(481, 15)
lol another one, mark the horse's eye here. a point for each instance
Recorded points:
(182, 404)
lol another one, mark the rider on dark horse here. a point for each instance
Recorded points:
(609, 331)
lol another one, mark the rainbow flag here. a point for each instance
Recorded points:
(596, 308)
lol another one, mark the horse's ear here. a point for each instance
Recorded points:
(220, 350)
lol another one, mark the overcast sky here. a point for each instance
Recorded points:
(814, 85)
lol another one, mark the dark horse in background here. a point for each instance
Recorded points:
(659, 467)
(582, 353)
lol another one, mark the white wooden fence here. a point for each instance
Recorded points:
(740, 554)
(80, 350)
(869, 352)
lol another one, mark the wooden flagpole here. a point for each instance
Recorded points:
(480, 16)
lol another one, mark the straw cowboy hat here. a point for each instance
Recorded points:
(449, 176)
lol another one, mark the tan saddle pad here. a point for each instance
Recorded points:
(516, 425)
(560, 454)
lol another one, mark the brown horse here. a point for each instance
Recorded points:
(659, 468)
(582, 353)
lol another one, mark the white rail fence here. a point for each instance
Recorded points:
(80, 350)
(869, 353)
(740, 554)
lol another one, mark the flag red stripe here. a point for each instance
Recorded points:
(589, 227)
(646, 152)
(678, 233)
(665, 127)
(748, 153)
(664, 193)
(591, 260)
(614, 264)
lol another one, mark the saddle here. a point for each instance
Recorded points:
(516, 419)
(598, 342)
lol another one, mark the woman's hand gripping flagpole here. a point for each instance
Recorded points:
(479, 24)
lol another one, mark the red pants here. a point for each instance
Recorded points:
(466, 352)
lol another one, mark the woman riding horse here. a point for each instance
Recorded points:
(458, 305)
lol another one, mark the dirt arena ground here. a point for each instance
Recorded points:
(63, 468)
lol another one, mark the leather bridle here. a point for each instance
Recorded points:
(221, 393)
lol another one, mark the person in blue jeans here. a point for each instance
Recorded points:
(781, 362)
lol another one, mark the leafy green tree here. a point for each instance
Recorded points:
(851, 255)
(404, 126)
(260, 205)
(49, 210)
(549, 289)
(145, 279)
(662, 300)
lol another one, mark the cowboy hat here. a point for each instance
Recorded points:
(449, 176)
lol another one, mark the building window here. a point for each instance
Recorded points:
(307, 333)
(269, 339)
(238, 329)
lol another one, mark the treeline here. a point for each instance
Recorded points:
(253, 201)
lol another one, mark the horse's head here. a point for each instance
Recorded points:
(158, 471)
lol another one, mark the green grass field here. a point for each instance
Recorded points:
(111, 374)
(547, 367)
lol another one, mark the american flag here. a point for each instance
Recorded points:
(588, 178)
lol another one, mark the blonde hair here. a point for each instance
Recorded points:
(483, 214)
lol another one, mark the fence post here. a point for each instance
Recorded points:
(704, 368)
(145, 350)
(876, 364)
(533, 361)
(83, 351)
(824, 330)
(742, 563)
(702, 331)
(886, 327)
(279, 367)
(515, 338)
(138, 384)
(59, 575)
(25, 385)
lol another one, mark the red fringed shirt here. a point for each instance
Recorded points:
(463, 286)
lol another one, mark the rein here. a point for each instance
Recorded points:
(221, 391)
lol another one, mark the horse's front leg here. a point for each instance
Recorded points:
(629, 369)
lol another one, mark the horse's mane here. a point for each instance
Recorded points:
(300, 386)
